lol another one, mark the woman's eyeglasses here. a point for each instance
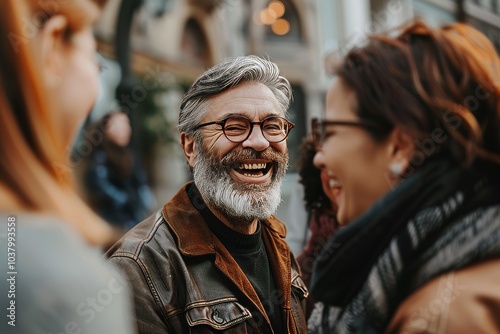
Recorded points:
(318, 129)
(238, 128)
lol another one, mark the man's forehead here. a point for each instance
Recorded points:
(248, 100)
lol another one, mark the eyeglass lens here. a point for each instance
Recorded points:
(274, 129)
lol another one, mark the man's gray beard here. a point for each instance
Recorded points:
(239, 201)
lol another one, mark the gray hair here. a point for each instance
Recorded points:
(228, 74)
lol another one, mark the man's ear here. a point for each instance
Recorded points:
(401, 148)
(188, 145)
(52, 49)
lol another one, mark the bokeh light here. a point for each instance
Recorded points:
(267, 16)
(278, 8)
(281, 27)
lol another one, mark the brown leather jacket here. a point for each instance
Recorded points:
(461, 302)
(185, 281)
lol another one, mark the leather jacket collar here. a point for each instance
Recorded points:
(193, 234)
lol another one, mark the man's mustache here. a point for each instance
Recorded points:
(250, 154)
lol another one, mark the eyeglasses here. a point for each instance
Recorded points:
(318, 129)
(238, 128)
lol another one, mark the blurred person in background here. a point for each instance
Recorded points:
(320, 206)
(115, 182)
(411, 144)
(56, 279)
(214, 258)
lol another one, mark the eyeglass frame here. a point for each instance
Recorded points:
(319, 139)
(222, 123)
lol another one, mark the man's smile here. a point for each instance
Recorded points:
(252, 171)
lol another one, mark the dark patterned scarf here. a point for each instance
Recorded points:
(441, 219)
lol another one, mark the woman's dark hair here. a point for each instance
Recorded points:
(314, 196)
(442, 86)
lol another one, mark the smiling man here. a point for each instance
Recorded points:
(214, 259)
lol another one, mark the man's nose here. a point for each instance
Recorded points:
(256, 140)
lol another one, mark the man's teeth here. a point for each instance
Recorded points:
(253, 166)
(334, 183)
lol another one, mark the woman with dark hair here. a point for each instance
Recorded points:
(321, 212)
(411, 143)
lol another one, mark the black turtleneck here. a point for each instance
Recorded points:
(249, 252)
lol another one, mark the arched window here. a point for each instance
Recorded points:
(282, 21)
(297, 114)
(195, 46)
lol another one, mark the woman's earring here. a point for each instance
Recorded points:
(396, 169)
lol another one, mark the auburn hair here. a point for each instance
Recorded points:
(34, 173)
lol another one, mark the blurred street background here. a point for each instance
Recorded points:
(151, 51)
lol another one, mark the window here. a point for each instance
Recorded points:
(195, 46)
(297, 114)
